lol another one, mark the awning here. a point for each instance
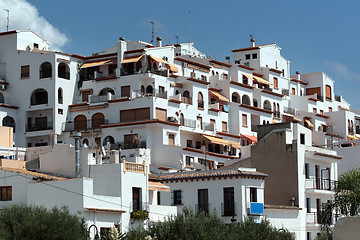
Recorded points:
(309, 123)
(261, 80)
(156, 186)
(95, 64)
(172, 68)
(324, 124)
(274, 121)
(159, 59)
(251, 138)
(351, 137)
(219, 96)
(247, 76)
(131, 59)
(221, 141)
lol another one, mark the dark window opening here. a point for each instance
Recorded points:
(177, 197)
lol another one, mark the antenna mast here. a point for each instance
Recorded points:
(8, 18)
(189, 26)
(152, 32)
(177, 38)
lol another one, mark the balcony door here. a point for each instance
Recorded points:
(41, 123)
(229, 206)
(136, 197)
(203, 200)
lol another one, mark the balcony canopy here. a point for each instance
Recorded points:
(247, 76)
(168, 65)
(309, 123)
(96, 64)
(261, 80)
(218, 96)
(132, 59)
(156, 186)
(221, 141)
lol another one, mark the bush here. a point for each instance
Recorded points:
(37, 222)
(139, 215)
(189, 225)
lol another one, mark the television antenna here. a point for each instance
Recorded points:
(152, 32)
(177, 39)
(8, 18)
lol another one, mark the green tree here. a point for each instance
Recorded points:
(37, 222)
(189, 225)
(346, 201)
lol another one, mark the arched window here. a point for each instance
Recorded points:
(212, 73)
(63, 71)
(320, 128)
(176, 92)
(108, 139)
(274, 107)
(60, 96)
(45, 70)
(9, 122)
(105, 91)
(186, 94)
(39, 96)
(2, 98)
(255, 102)
(86, 142)
(97, 120)
(267, 105)
(278, 108)
(235, 97)
(200, 100)
(142, 89)
(182, 119)
(149, 89)
(80, 122)
(245, 100)
(328, 92)
(264, 122)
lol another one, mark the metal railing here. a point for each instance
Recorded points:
(65, 75)
(83, 125)
(188, 122)
(228, 209)
(285, 92)
(156, 93)
(45, 73)
(320, 184)
(312, 218)
(289, 110)
(135, 206)
(39, 127)
(203, 207)
(208, 126)
(131, 145)
(97, 99)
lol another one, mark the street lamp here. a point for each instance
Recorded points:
(97, 231)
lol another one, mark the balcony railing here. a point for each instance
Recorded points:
(83, 125)
(39, 127)
(134, 167)
(186, 100)
(188, 123)
(144, 206)
(228, 209)
(285, 92)
(130, 145)
(312, 218)
(203, 207)
(321, 184)
(208, 126)
(156, 93)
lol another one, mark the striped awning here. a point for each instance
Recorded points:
(308, 122)
(261, 80)
(219, 96)
(172, 68)
(247, 76)
(221, 141)
(96, 64)
(159, 59)
(132, 59)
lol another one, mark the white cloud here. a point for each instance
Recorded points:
(342, 70)
(24, 15)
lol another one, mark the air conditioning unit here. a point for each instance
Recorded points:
(172, 119)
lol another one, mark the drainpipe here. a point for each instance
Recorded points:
(77, 153)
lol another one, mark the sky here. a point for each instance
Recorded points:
(314, 35)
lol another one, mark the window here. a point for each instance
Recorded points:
(136, 197)
(203, 200)
(39, 96)
(133, 115)
(25, 71)
(244, 120)
(224, 126)
(63, 71)
(314, 110)
(293, 91)
(45, 70)
(203, 77)
(125, 91)
(307, 175)
(229, 204)
(200, 100)
(328, 93)
(200, 122)
(308, 205)
(247, 56)
(276, 86)
(177, 197)
(254, 56)
(212, 123)
(192, 74)
(60, 111)
(189, 143)
(330, 109)
(60, 96)
(85, 95)
(308, 235)
(321, 112)
(188, 160)
(171, 139)
(6, 193)
(198, 144)
(253, 194)
(36, 45)
(302, 138)
(158, 198)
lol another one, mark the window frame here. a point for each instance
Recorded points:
(25, 71)
(6, 193)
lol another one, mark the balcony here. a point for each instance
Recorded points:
(39, 127)
(204, 207)
(136, 206)
(127, 145)
(134, 167)
(313, 218)
(160, 72)
(228, 209)
(97, 99)
(156, 93)
(320, 184)
(83, 125)
(289, 110)
(188, 123)
(208, 126)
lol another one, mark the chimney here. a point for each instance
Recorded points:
(227, 59)
(158, 42)
(252, 42)
(77, 153)
(298, 75)
(121, 48)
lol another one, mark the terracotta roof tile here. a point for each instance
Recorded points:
(35, 174)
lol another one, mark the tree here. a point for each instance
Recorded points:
(189, 225)
(346, 201)
(37, 222)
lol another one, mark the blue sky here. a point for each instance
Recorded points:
(314, 35)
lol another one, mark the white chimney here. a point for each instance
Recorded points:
(158, 42)
(227, 59)
(298, 75)
(252, 42)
